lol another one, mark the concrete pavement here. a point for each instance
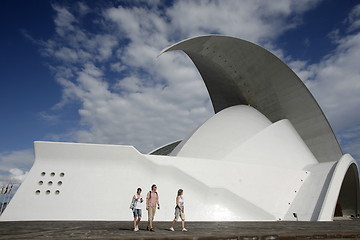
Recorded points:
(196, 230)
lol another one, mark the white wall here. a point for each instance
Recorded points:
(266, 175)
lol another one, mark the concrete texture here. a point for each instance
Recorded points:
(238, 72)
(196, 230)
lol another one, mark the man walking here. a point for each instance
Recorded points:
(152, 199)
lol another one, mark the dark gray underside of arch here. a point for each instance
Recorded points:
(237, 72)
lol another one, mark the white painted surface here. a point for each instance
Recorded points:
(265, 174)
(309, 198)
(330, 199)
(223, 132)
(278, 145)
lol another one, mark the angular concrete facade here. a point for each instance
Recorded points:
(268, 154)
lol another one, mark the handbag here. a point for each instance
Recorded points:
(132, 204)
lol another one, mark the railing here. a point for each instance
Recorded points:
(7, 191)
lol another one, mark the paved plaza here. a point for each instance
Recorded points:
(196, 230)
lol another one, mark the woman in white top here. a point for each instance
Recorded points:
(137, 199)
(179, 211)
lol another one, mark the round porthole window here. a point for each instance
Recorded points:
(57, 192)
(43, 174)
(62, 174)
(50, 183)
(47, 192)
(52, 174)
(37, 192)
(59, 183)
(41, 182)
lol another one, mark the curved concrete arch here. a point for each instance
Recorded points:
(239, 72)
(344, 186)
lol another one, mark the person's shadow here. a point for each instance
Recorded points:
(125, 229)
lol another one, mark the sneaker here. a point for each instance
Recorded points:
(172, 229)
(184, 230)
(136, 229)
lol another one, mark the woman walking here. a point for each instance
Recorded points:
(179, 211)
(137, 199)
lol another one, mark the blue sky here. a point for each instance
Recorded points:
(81, 71)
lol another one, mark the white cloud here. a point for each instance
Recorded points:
(66, 54)
(335, 83)
(350, 138)
(354, 19)
(64, 20)
(14, 166)
(253, 20)
(17, 175)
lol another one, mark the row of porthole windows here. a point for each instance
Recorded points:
(53, 174)
(50, 183)
(47, 192)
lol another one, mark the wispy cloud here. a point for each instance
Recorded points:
(354, 19)
(15, 165)
(335, 82)
(254, 20)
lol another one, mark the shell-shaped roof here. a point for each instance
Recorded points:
(238, 72)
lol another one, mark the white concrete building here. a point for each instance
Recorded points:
(268, 154)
